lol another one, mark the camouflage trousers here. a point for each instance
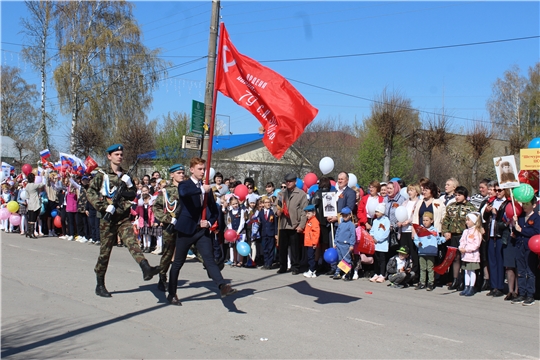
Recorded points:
(109, 232)
(168, 247)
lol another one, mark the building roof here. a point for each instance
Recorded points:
(225, 142)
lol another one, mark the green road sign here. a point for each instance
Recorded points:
(197, 117)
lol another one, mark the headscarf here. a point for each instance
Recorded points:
(397, 189)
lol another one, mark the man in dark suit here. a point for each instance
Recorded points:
(194, 228)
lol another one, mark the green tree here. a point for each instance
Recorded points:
(104, 67)
(532, 100)
(169, 139)
(37, 28)
(371, 156)
(394, 118)
(17, 99)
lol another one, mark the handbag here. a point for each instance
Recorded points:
(393, 239)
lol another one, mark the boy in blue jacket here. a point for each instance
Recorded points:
(268, 232)
(344, 240)
(427, 250)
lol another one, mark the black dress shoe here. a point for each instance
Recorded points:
(490, 293)
(173, 300)
(294, 272)
(281, 271)
(454, 285)
(498, 293)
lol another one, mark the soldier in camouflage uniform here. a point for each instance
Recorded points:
(100, 194)
(165, 208)
(453, 226)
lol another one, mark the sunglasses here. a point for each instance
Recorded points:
(250, 187)
(499, 190)
(283, 186)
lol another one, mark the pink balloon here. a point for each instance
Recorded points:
(310, 179)
(4, 214)
(15, 219)
(241, 192)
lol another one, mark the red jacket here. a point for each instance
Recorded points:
(312, 232)
(362, 211)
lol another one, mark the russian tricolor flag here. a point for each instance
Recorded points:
(45, 153)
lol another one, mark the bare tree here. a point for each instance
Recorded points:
(479, 139)
(393, 116)
(88, 138)
(137, 136)
(17, 98)
(435, 134)
(37, 28)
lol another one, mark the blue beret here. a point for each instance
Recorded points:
(345, 211)
(176, 167)
(309, 208)
(115, 147)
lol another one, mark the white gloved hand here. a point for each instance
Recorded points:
(125, 178)
(110, 209)
(173, 221)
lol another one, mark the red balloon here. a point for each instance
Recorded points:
(26, 169)
(310, 179)
(510, 210)
(58, 221)
(241, 191)
(534, 244)
(230, 235)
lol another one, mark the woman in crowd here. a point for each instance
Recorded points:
(367, 205)
(449, 191)
(413, 191)
(34, 204)
(393, 200)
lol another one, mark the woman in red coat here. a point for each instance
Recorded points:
(367, 205)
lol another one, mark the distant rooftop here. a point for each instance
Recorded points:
(224, 142)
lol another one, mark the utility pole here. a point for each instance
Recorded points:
(210, 74)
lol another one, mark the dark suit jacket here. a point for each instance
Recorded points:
(267, 227)
(191, 208)
(347, 198)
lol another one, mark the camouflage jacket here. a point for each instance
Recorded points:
(454, 220)
(100, 197)
(164, 209)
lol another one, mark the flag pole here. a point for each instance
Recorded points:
(213, 116)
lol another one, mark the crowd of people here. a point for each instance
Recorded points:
(483, 245)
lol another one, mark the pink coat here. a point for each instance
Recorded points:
(140, 214)
(470, 241)
(71, 202)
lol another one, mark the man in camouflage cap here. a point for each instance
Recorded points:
(165, 208)
(100, 194)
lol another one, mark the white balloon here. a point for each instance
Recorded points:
(326, 165)
(352, 180)
(24, 194)
(371, 206)
(401, 214)
(403, 192)
(212, 174)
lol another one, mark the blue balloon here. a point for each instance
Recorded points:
(395, 179)
(312, 189)
(535, 143)
(243, 248)
(331, 256)
(54, 213)
(276, 192)
(299, 183)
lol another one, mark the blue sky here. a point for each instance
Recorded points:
(307, 43)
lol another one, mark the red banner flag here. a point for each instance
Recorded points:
(279, 107)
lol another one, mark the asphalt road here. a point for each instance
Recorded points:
(49, 310)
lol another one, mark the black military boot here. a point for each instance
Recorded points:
(101, 290)
(148, 271)
(162, 284)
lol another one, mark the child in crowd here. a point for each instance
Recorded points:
(6, 197)
(311, 239)
(380, 230)
(251, 219)
(399, 268)
(235, 221)
(344, 239)
(145, 221)
(427, 242)
(22, 199)
(268, 232)
(469, 246)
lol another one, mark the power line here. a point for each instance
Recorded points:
(407, 50)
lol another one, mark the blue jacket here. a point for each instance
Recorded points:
(346, 233)
(380, 230)
(266, 227)
(529, 228)
(429, 243)
(191, 208)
